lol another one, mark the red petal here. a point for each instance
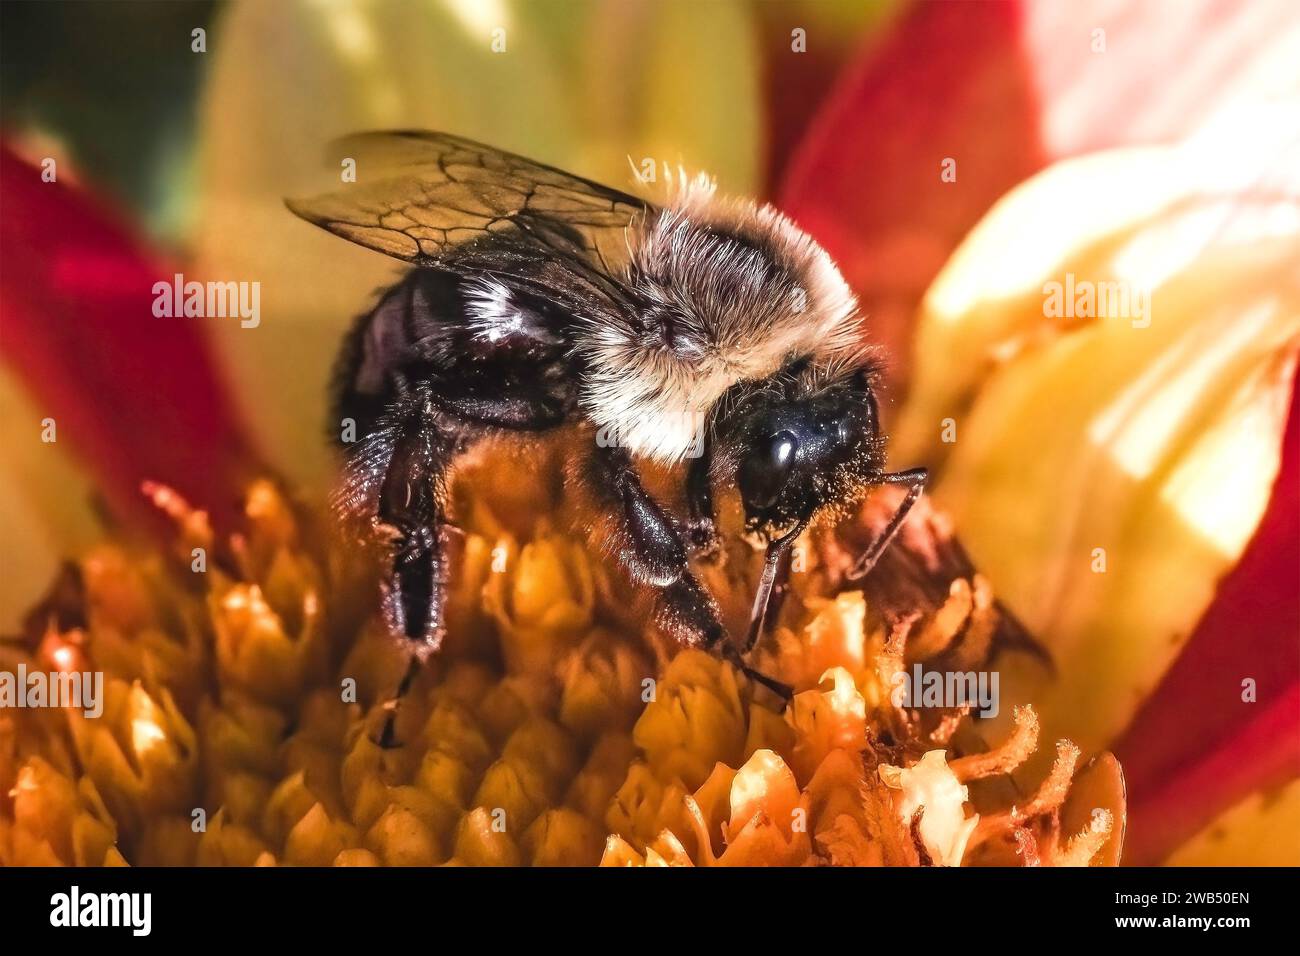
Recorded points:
(1004, 89)
(948, 82)
(1196, 748)
(794, 82)
(137, 397)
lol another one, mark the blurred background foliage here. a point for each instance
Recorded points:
(114, 85)
(117, 87)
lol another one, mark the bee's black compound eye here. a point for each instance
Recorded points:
(766, 470)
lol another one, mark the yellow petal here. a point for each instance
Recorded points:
(1259, 831)
(1106, 471)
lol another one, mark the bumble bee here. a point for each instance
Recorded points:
(706, 334)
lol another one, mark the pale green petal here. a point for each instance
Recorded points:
(579, 85)
(683, 84)
(1148, 438)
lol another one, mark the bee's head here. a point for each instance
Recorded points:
(799, 448)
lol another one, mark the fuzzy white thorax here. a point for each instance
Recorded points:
(735, 291)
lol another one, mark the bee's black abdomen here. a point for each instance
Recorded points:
(475, 343)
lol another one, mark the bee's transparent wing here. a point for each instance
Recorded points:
(426, 197)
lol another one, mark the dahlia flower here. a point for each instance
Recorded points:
(1076, 229)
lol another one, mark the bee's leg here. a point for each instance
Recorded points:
(388, 736)
(776, 573)
(779, 590)
(411, 515)
(421, 436)
(915, 479)
(641, 534)
(705, 544)
(413, 601)
(765, 619)
(411, 510)
(701, 530)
